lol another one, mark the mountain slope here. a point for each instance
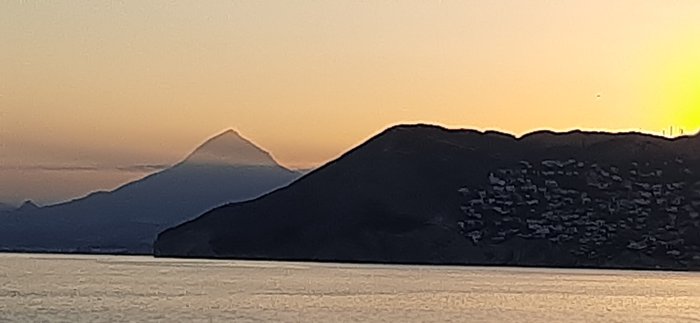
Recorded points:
(424, 194)
(4, 207)
(226, 168)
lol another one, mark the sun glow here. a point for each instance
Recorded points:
(680, 87)
(684, 95)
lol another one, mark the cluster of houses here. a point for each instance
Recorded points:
(651, 208)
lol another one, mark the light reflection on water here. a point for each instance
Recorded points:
(116, 288)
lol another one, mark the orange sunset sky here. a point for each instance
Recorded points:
(89, 86)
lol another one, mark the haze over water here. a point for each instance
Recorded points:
(69, 288)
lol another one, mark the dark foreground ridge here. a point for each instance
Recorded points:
(427, 195)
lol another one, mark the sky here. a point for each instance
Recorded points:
(91, 91)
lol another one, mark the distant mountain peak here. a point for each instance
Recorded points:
(28, 205)
(230, 148)
(227, 132)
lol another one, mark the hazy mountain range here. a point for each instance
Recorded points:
(425, 194)
(226, 168)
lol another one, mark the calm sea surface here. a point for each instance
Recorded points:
(67, 288)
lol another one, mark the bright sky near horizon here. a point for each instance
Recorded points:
(89, 86)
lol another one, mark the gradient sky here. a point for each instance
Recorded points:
(89, 89)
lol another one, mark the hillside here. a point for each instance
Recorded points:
(425, 194)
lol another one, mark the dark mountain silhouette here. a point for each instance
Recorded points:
(27, 206)
(428, 195)
(226, 168)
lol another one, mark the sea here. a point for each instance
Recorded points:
(87, 288)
